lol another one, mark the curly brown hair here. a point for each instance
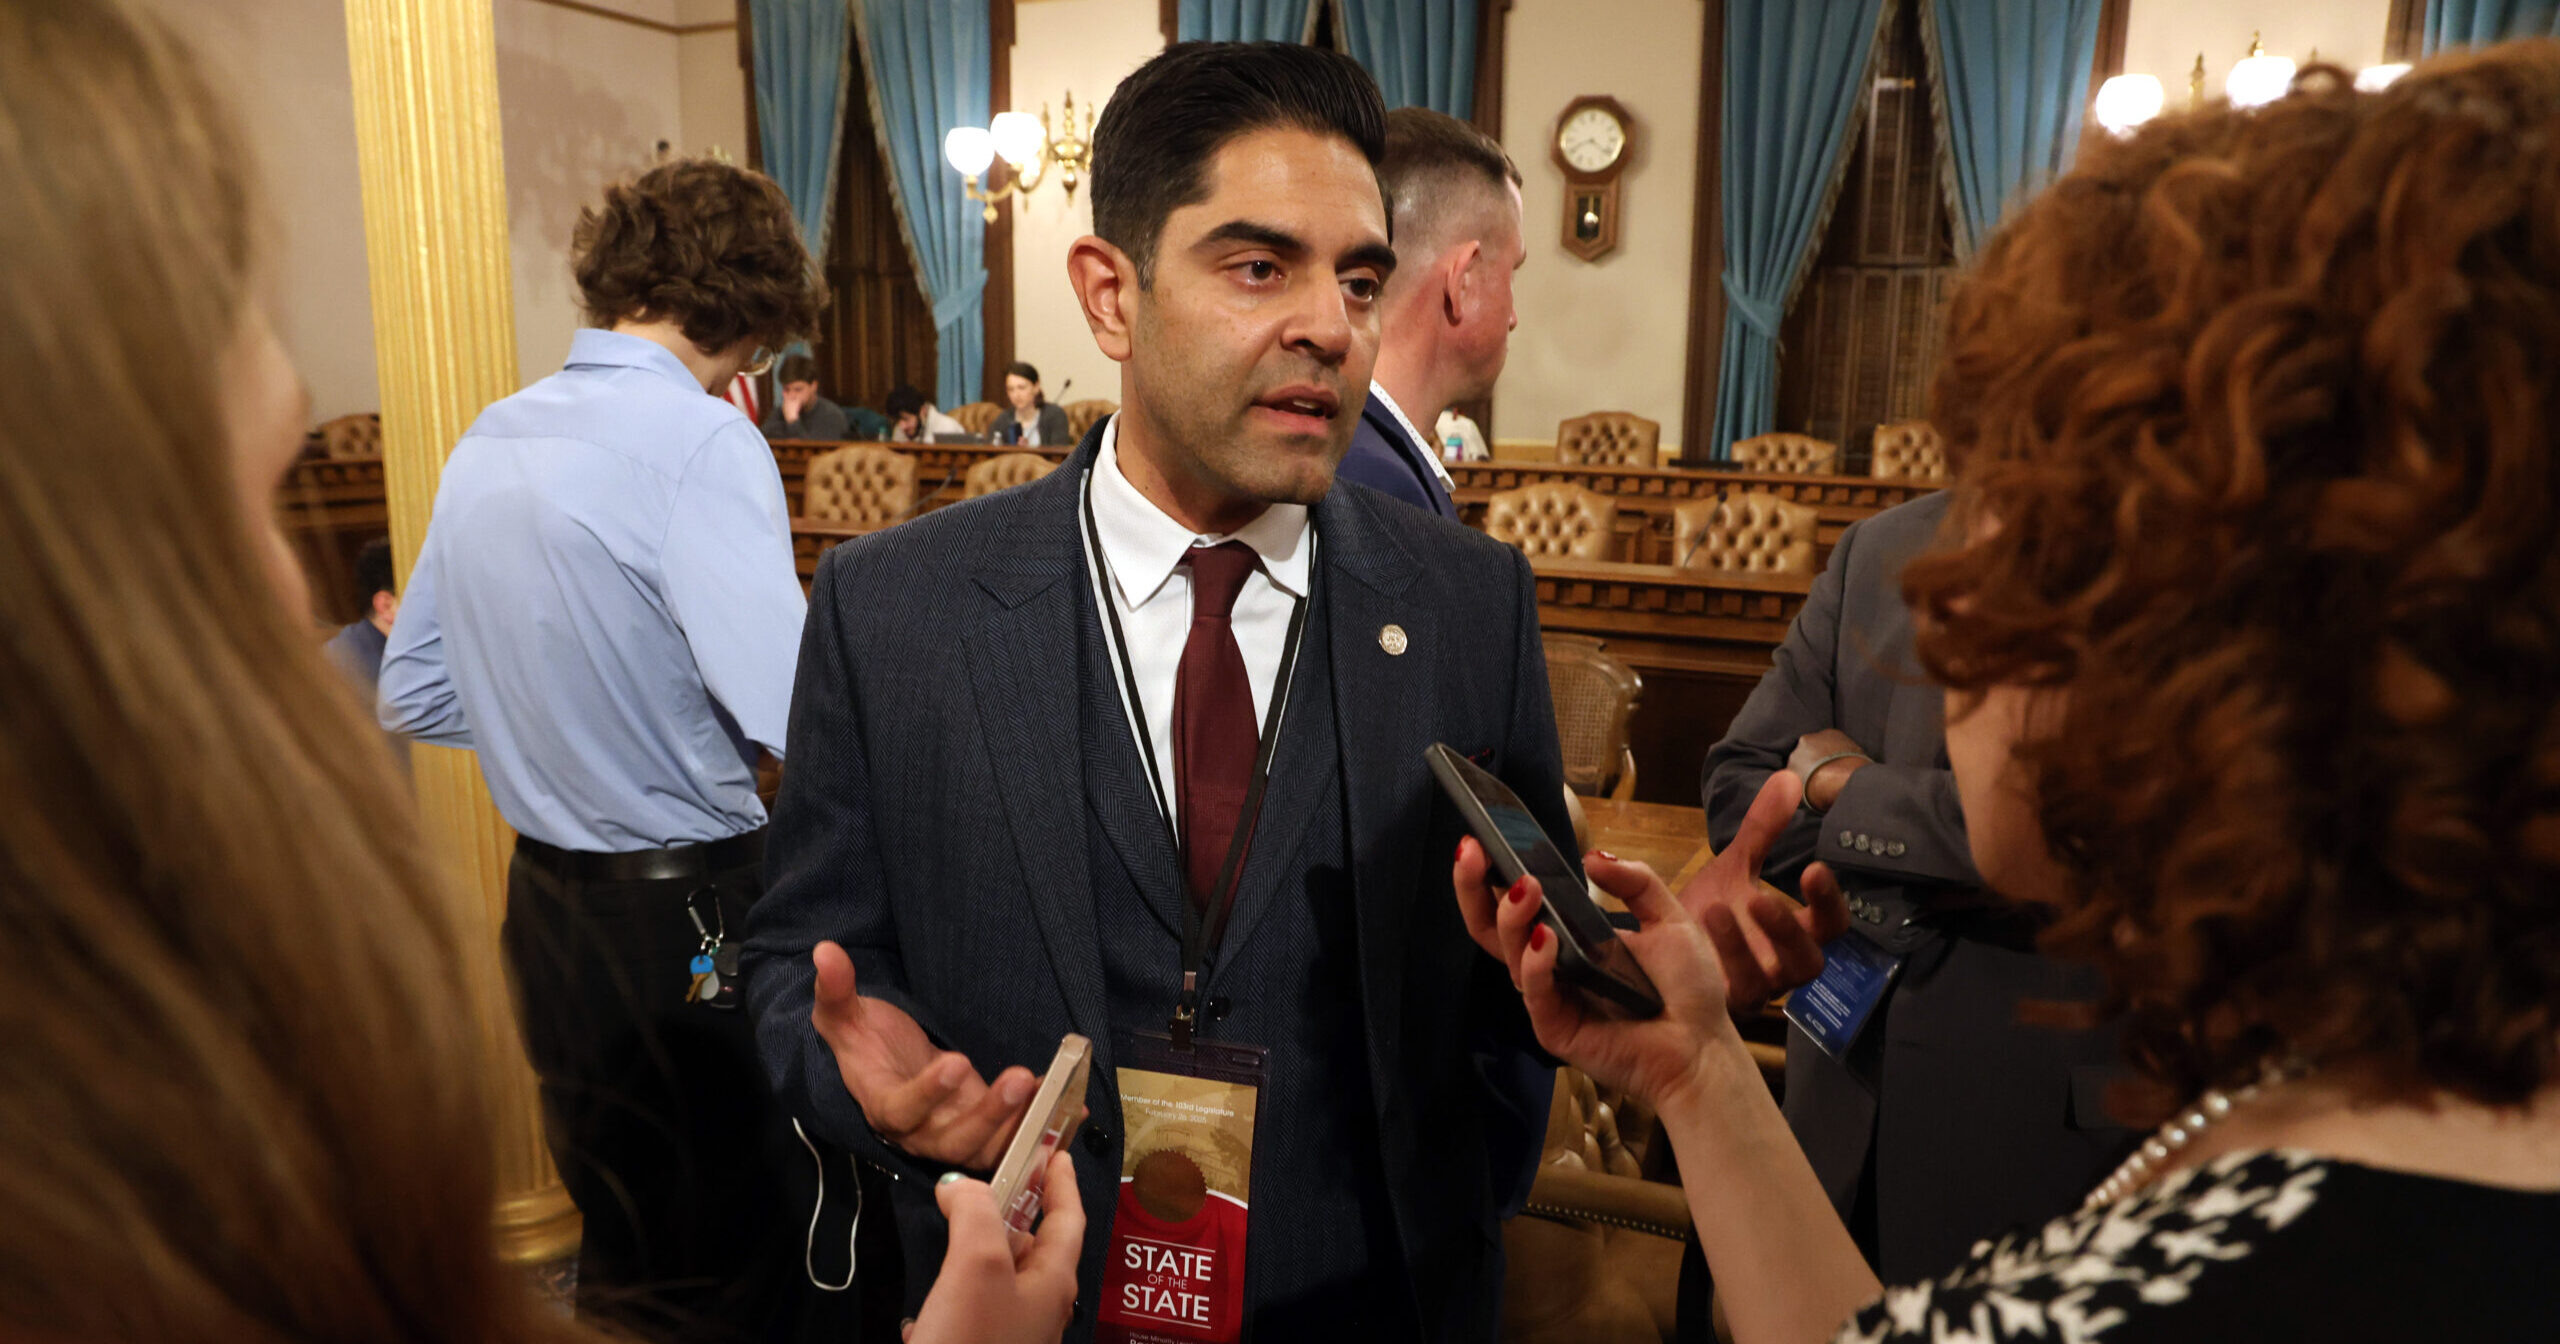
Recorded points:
(707, 245)
(2262, 412)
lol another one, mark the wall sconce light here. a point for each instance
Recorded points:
(2259, 79)
(2376, 78)
(1028, 146)
(2127, 101)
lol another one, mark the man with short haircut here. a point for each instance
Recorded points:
(1454, 200)
(606, 609)
(1031, 735)
(799, 412)
(357, 647)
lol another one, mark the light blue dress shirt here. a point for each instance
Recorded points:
(606, 607)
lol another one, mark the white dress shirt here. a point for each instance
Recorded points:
(1150, 588)
(1429, 446)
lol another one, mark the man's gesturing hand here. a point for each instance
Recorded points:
(1767, 943)
(928, 1102)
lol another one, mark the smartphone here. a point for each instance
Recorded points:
(1056, 1109)
(1589, 954)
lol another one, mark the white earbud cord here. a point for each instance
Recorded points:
(809, 1245)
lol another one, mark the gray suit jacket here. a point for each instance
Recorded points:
(933, 820)
(1967, 1121)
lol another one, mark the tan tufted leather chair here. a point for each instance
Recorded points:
(1083, 415)
(1797, 454)
(1595, 1256)
(1909, 451)
(1747, 532)
(866, 484)
(1595, 698)
(978, 416)
(1554, 518)
(1609, 439)
(1005, 472)
(352, 436)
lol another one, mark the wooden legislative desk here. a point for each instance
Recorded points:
(1646, 496)
(940, 467)
(1699, 639)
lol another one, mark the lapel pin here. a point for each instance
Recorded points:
(1391, 638)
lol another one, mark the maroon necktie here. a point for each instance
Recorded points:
(1215, 739)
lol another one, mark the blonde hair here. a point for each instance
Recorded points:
(236, 1102)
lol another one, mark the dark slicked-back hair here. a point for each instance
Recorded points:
(1171, 116)
(1433, 158)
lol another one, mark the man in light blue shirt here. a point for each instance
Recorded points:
(607, 611)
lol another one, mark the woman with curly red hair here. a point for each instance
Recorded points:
(2249, 620)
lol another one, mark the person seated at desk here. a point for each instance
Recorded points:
(1030, 422)
(800, 413)
(357, 647)
(912, 419)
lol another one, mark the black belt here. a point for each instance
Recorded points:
(645, 865)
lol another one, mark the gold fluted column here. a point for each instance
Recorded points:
(435, 227)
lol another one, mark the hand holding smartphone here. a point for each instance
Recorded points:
(1589, 955)
(1050, 1121)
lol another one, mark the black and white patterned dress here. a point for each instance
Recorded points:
(2259, 1246)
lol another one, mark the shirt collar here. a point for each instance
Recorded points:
(1412, 435)
(1144, 544)
(595, 347)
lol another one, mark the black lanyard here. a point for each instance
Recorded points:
(1200, 932)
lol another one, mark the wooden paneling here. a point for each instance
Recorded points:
(1705, 350)
(877, 332)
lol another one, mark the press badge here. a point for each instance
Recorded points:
(1175, 1270)
(1836, 1006)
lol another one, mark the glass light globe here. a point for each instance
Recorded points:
(2258, 80)
(969, 148)
(2376, 78)
(2127, 101)
(1018, 137)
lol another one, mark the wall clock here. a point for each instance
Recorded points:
(1594, 140)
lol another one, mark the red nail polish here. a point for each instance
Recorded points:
(1537, 937)
(1606, 855)
(1517, 891)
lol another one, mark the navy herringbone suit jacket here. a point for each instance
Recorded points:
(935, 819)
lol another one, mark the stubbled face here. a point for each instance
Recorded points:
(2000, 822)
(1020, 391)
(1483, 342)
(1251, 352)
(264, 409)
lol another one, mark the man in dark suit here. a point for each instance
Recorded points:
(1026, 727)
(1454, 197)
(1947, 1119)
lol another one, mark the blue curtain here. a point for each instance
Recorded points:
(927, 66)
(801, 68)
(1242, 20)
(1795, 73)
(2012, 76)
(2472, 23)
(1421, 52)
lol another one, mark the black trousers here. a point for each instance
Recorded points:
(695, 1190)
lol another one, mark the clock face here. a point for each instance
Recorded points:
(1591, 139)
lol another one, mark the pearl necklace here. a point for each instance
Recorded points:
(2214, 1106)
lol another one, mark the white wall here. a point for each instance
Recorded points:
(1060, 46)
(284, 63)
(1607, 334)
(582, 100)
(2163, 37)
